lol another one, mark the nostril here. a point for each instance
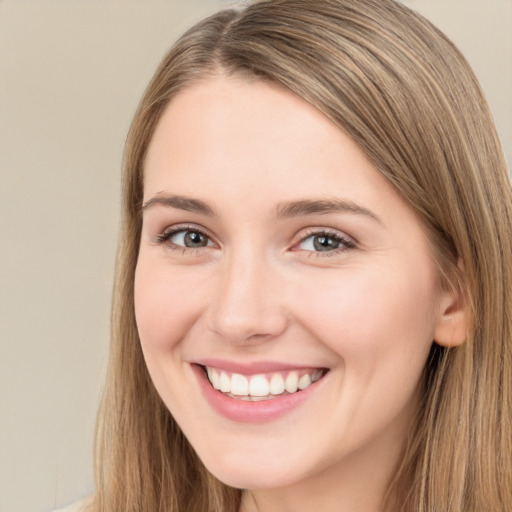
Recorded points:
(247, 307)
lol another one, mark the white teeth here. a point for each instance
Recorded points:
(239, 385)
(277, 384)
(304, 382)
(254, 398)
(225, 383)
(258, 386)
(214, 378)
(292, 380)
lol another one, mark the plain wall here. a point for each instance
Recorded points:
(71, 74)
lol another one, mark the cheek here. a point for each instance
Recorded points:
(166, 305)
(166, 308)
(381, 328)
(373, 318)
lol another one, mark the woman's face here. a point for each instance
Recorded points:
(276, 257)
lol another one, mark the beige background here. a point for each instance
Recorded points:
(71, 73)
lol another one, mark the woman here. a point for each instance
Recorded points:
(312, 306)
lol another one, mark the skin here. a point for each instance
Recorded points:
(260, 291)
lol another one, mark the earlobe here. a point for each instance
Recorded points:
(452, 323)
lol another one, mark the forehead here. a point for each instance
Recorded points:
(246, 115)
(239, 128)
(249, 145)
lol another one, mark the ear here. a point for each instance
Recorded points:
(452, 323)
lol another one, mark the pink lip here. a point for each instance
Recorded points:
(246, 411)
(251, 368)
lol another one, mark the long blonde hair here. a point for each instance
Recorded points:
(405, 94)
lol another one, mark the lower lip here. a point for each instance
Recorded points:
(251, 412)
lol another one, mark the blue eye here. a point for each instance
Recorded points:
(325, 242)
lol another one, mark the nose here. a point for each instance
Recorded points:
(249, 303)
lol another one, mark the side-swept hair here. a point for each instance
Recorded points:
(405, 94)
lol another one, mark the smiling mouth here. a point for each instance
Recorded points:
(262, 386)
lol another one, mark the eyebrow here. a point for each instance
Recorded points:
(284, 210)
(322, 206)
(181, 203)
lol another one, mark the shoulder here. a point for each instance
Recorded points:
(77, 506)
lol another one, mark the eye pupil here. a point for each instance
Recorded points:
(325, 243)
(194, 239)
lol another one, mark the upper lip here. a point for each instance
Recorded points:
(253, 367)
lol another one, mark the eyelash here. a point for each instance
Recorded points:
(165, 237)
(345, 242)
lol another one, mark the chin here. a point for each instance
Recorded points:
(253, 474)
